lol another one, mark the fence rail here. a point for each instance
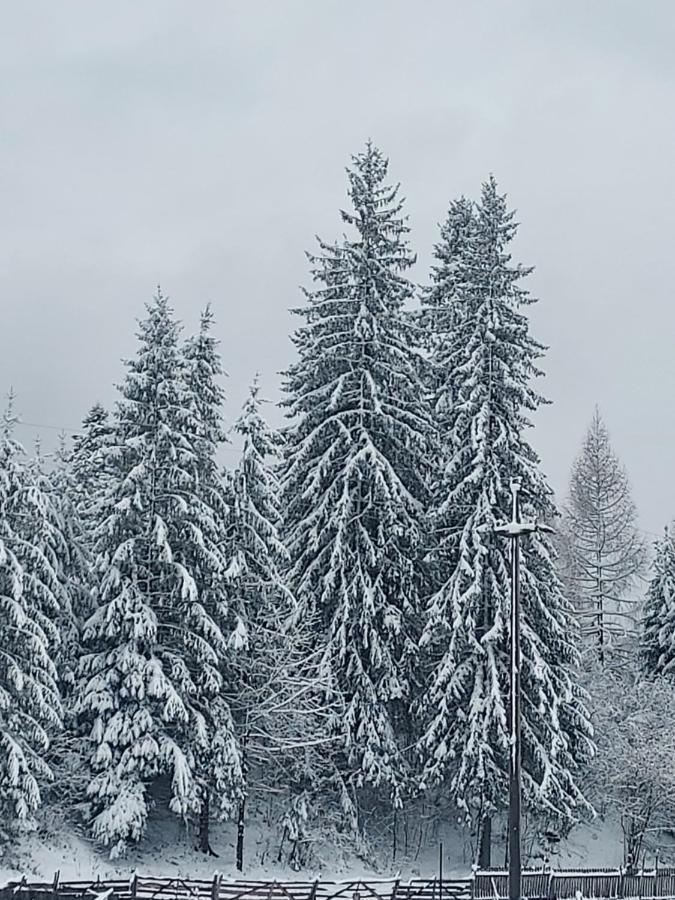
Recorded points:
(147, 888)
(489, 884)
(566, 884)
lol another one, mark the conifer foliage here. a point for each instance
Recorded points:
(30, 603)
(155, 645)
(90, 467)
(218, 761)
(258, 556)
(658, 623)
(354, 472)
(484, 366)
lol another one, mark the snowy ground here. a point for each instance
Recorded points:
(168, 851)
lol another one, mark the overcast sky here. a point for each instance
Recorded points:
(202, 145)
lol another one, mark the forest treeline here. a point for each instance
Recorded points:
(325, 624)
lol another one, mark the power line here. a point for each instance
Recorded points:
(67, 428)
(76, 431)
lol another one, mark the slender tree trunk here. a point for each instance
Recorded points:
(485, 844)
(241, 815)
(241, 826)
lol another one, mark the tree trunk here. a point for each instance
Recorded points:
(241, 815)
(485, 845)
(204, 827)
(240, 833)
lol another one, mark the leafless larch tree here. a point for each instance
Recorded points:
(602, 549)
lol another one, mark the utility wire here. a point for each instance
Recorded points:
(76, 431)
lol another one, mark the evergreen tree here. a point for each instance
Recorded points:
(30, 705)
(487, 365)
(54, 529)
(219, 773)
(259, 558)
(658, 623)
(450, 274)
(355, 469)
(152, 673)
(606, 551)
(90, 470)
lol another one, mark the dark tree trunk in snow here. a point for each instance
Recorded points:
(485, 844)
(240, 833)
(204, 827)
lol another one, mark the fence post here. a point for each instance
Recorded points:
(314, 888)
(215, 887)
(394, 890)
(55, 884)
(622, 875)
(133, 889)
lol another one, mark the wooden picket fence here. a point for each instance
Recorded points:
(490, 884)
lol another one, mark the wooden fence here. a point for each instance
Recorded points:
(491, 884)
(566, 884)
(145, 888)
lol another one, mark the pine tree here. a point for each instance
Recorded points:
(355, 469)
(259, 558)
(658, 622)
(90, 470)
(487, 365)
(54, 529)
(219, 765)
(450, 275)
(30, 704)
(606, 550)
(152, 674)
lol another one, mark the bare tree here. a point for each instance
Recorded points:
(602, 550)
(633, 773)
(285, 708)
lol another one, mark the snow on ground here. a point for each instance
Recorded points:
(169, 851)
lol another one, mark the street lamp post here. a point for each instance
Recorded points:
(513, 530)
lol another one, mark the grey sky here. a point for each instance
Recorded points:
(202, 145)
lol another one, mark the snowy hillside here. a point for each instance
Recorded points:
(166, 852)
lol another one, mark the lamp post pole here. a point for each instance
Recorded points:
(513, 530)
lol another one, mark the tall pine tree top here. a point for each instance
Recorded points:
(355, 468)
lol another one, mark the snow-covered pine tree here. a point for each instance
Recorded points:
(450, 273)
(658, 622)
(30, 704)
(606, 551)
(258, 556)
(154, 656)
(354, 476)
(218, 764)
(90, 469)
(489, 364)
(53, 527)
